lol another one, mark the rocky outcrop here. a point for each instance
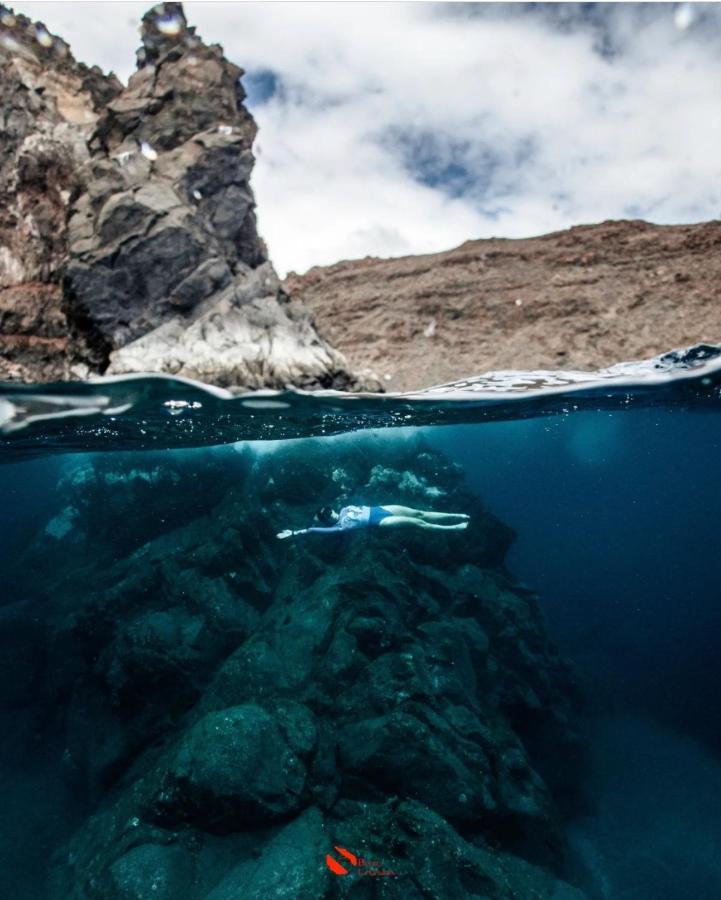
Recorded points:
(129, 239)
(581, 299)
(230, 707)
(49, 105)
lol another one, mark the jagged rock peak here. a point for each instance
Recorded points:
(19, 34)
(182, 87)
(165, 29)
(22, 39)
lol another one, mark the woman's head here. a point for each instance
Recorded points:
(326, 515)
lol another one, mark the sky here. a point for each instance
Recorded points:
(395, 128)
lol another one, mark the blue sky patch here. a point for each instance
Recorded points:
(260, 86)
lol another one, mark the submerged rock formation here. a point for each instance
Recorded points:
(128, 231)
(581, 299)
(229, 707)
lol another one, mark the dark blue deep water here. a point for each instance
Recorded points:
(617, 523)
(144, 592)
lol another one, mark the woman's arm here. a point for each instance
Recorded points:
(288, 533)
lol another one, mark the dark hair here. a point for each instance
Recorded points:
(325, 515)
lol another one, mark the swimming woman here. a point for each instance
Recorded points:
(384, 516)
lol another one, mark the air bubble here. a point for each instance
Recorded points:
(169, 25)
(9, 43)
(266, 404)
(43, 37)
(683, 16)
(148, 151)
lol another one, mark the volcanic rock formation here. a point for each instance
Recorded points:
(225, 707)
(128, 238)
(584, 299)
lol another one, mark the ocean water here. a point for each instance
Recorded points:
(192, 708)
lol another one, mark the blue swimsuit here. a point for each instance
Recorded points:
(353, 517)
(376, 514)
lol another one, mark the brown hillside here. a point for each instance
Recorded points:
(583, 298)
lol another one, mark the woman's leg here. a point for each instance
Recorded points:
(430, 516)
(425, 514)
(396, 510)
(397, 521)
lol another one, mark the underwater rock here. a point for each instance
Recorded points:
(130, 221)
(223, 686)
(291, 865)
(402, 754)
(159, 649)
(429, 858)
(233, 770)
(121, 511)
(150, 872)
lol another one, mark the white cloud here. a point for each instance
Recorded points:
(544, 131)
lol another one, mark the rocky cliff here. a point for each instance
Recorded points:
(128, 238)
(224, 708)
(583, 298)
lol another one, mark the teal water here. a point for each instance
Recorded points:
(577, 621)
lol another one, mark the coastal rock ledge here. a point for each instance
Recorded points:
(128, 238)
